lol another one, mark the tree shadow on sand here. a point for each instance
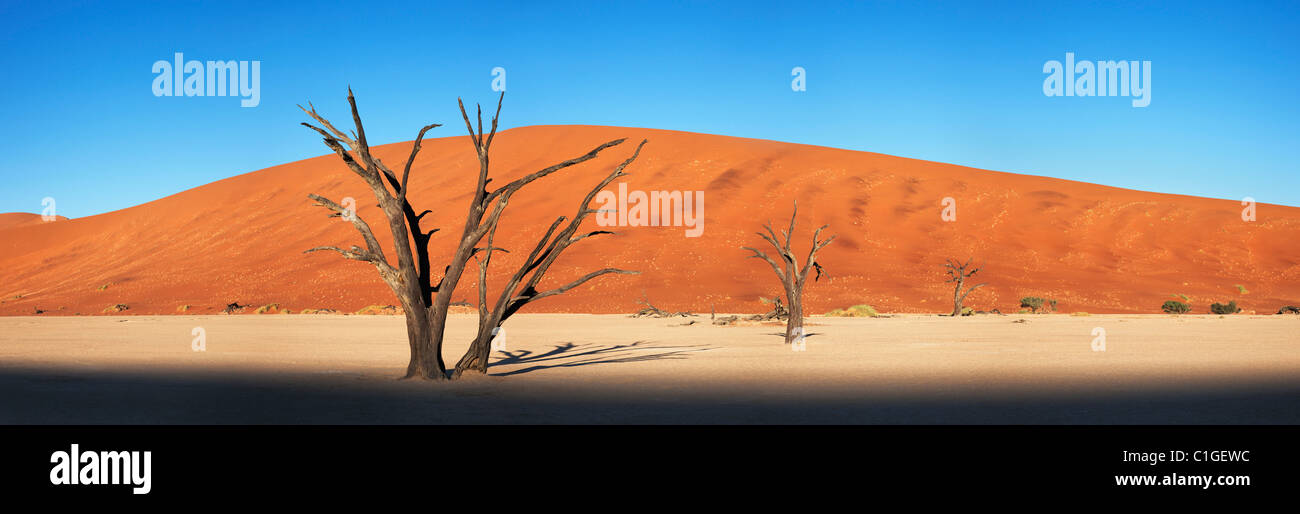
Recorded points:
(806, 335)
(569, 355)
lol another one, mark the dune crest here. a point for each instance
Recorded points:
(22, 219)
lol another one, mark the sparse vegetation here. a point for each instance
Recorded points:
(384, 310)
(1289, 309)
(1241, 289)
(183, 308)
(102, 288)
(1036, 304)
(271, 308)
(1079, 313)
(1175, 307)
(1183, 297)
(118, 307)
(1228, 308)
(856, 311)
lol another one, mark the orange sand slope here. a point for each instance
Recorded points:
(1093, 248)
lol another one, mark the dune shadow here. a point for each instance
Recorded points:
(570, 355)
(80, 396)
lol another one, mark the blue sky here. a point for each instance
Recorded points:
(957, 82)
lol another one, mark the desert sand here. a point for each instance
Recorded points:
(1093, 248)
(581, 368)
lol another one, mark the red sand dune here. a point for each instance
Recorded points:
(1094, 248)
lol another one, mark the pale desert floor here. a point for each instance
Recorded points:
(567, 368)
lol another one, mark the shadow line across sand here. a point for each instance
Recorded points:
(570, 355)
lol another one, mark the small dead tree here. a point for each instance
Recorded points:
(957, 273)
(791, 274)
(425, 302)
(778, 311)
(650, 311)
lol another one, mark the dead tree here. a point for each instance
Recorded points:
(958, 274)
(791, 274)
(778, 311)
(522, 287)
(650, 311)
(425, 302)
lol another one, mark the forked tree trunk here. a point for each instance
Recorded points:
(425, 303)
(522, 287)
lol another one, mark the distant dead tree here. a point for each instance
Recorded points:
(423, 301)
(957, 273)
(791, 274)
(650, 311)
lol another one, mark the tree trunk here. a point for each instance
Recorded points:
(956, 298)
(425, 362)
(794, 324)
(476, 358)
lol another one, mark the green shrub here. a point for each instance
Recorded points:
(1036, 304)
(1228, 308)
(856, 311)
(1176, 307)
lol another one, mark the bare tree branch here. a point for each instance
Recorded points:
(574, 284)
(406, 171)
(371, 243)
(521, 182)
